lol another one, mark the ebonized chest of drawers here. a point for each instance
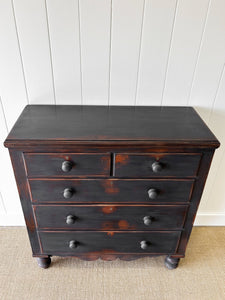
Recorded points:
(110, 182)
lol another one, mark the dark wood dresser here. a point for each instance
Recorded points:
(110, 182)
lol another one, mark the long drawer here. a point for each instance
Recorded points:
(110, 217)
(110, 190)
(72, 243)
(67, 164)
(157, 165)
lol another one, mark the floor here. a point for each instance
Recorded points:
(201, 275)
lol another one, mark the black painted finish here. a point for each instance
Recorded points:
(110, 242)
(44, 165)
(171, 263)
(140, 165)
(109, 123)
(21, 180)
(111, 190)
(111, 160)
(44, 262)
(110, 217)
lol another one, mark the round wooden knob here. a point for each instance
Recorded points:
(152, 193)
(73, 244)
(147, 220)
(67, 166)
(68, 193)
(156, 167)
(70, 219)
(144, 245)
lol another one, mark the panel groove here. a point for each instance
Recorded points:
(81, 78)
(2, 204)
(50, 52)
(126, 29)
(20, 53)
(216, 94)
(169, 51)
(139, 55)
(34, 42)
(110, 50)
(3, 112)
(64, 40)
(199, 52)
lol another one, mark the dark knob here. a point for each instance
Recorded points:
(144, 245)
(70, 219)
(67, 166)
(152, 193)
(68, 193)
(147, 220)
(156, 167)
(73, 244)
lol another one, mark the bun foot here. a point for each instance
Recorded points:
(44, 262)
(171, 262)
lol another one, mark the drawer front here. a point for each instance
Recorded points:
(156, 165)
(72, 243)
(67, 164)
(110, 217)
(110, 190)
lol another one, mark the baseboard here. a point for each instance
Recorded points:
(202, 219)
(12, 220)
(210, 219)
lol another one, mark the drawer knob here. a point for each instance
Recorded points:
(70, 219)
(144, 245)
(73, 244)
(152, 193)
(156, 167)
(67, 166)
(68, 193)
(147, 220)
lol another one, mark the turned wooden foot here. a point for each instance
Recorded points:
(171, 262)
(44, 262)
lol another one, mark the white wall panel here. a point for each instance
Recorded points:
(12, 87)
(2, 207)
(156, 36)
(211, 59)
(9, 195)
(187, 34)
(63, 20)
(34, 42)
(215, 183)
(127, 17)
(3, 133)
(95, 21)
(3, 125)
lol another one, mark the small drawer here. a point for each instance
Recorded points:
(157, 165)
(73, 243)
(111, 190)
(110, 217)
(67, 164)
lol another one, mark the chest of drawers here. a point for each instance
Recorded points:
(110, 182)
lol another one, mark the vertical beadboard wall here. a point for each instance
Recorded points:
(113, 52)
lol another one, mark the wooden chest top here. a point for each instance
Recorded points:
(151, 125)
